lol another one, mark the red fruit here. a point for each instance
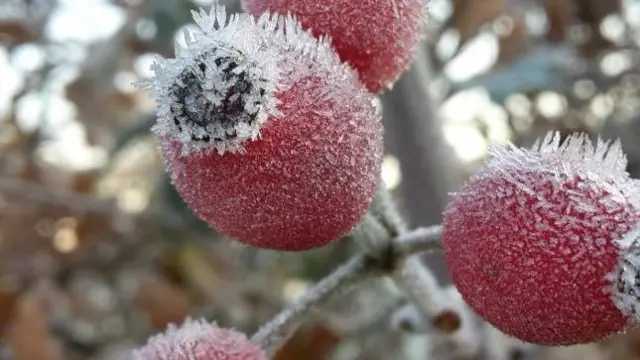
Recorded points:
(199, 340)
(266, 135)
(377, 38)
(532, 241)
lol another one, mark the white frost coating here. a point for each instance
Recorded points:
(625, 278)
(603, 162)
(198, 339)
(221, 88)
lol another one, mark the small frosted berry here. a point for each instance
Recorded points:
(199, 340)
(533, 240)
(377, 38)
(267, 136)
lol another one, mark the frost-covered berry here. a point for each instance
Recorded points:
(267, 136)
(377, 38)
(533, 241)
(199, 340)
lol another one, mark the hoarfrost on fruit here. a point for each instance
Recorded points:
(199, 340)
(625, 277)
(532, 238)
(218, 91)
(377, 38)
(266, 134)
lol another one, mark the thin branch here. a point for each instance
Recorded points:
(360, 268)
(411, 275)
(60, 197)
(418, 241)
(385, 210)
(274, 333)
(420, 287)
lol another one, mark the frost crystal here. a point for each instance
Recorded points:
(220, 89)
(199, 340)
(626, 276)
(576, 155)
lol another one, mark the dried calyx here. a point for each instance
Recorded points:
(220, 88)
(218, 98)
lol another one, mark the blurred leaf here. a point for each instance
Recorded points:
(163, 302)
(559, 15)
(31, 338)
(311, 342)
(514, 44)
(469, 15)
(8, 301)
(15, 33)
(130, 132)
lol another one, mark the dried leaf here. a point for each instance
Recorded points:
(513, 42)
(469, 15)
(313, 342)
(30, 337)
(559, 15)
(163, 302)
(8, 300)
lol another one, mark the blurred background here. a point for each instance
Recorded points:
(97, 251)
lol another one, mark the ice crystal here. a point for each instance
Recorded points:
(225, 84)
(377, 38)
(576, 155)
(199, 340)
(626, 276)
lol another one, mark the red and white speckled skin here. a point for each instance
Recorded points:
(377, 38)
(531, 240)
(199, 340)
(307, 181)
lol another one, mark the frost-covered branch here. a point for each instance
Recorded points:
(410, 275)
(418, 240)
(274, 333)
(361, 267)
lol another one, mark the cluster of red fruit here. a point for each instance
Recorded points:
(270, 132)
(271, 135)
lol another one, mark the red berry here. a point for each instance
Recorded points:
(199, 340)
(377, 38)
(266, 134)
(532, 241)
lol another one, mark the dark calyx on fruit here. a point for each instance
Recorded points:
(196, 113)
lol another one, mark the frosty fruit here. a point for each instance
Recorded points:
(267, 136)
(537, 241)
(199, 340)
(377, 38)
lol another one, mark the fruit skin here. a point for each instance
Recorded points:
(199, 340)
(377, 38)
(532, 240)
(312, 172)
(305, 183)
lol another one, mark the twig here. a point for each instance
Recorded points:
(39, 193)
(411, 276)
(420, 287)
(360, 268)
(78, 203)
(418, 241)
(273, 334)
(384, 209)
